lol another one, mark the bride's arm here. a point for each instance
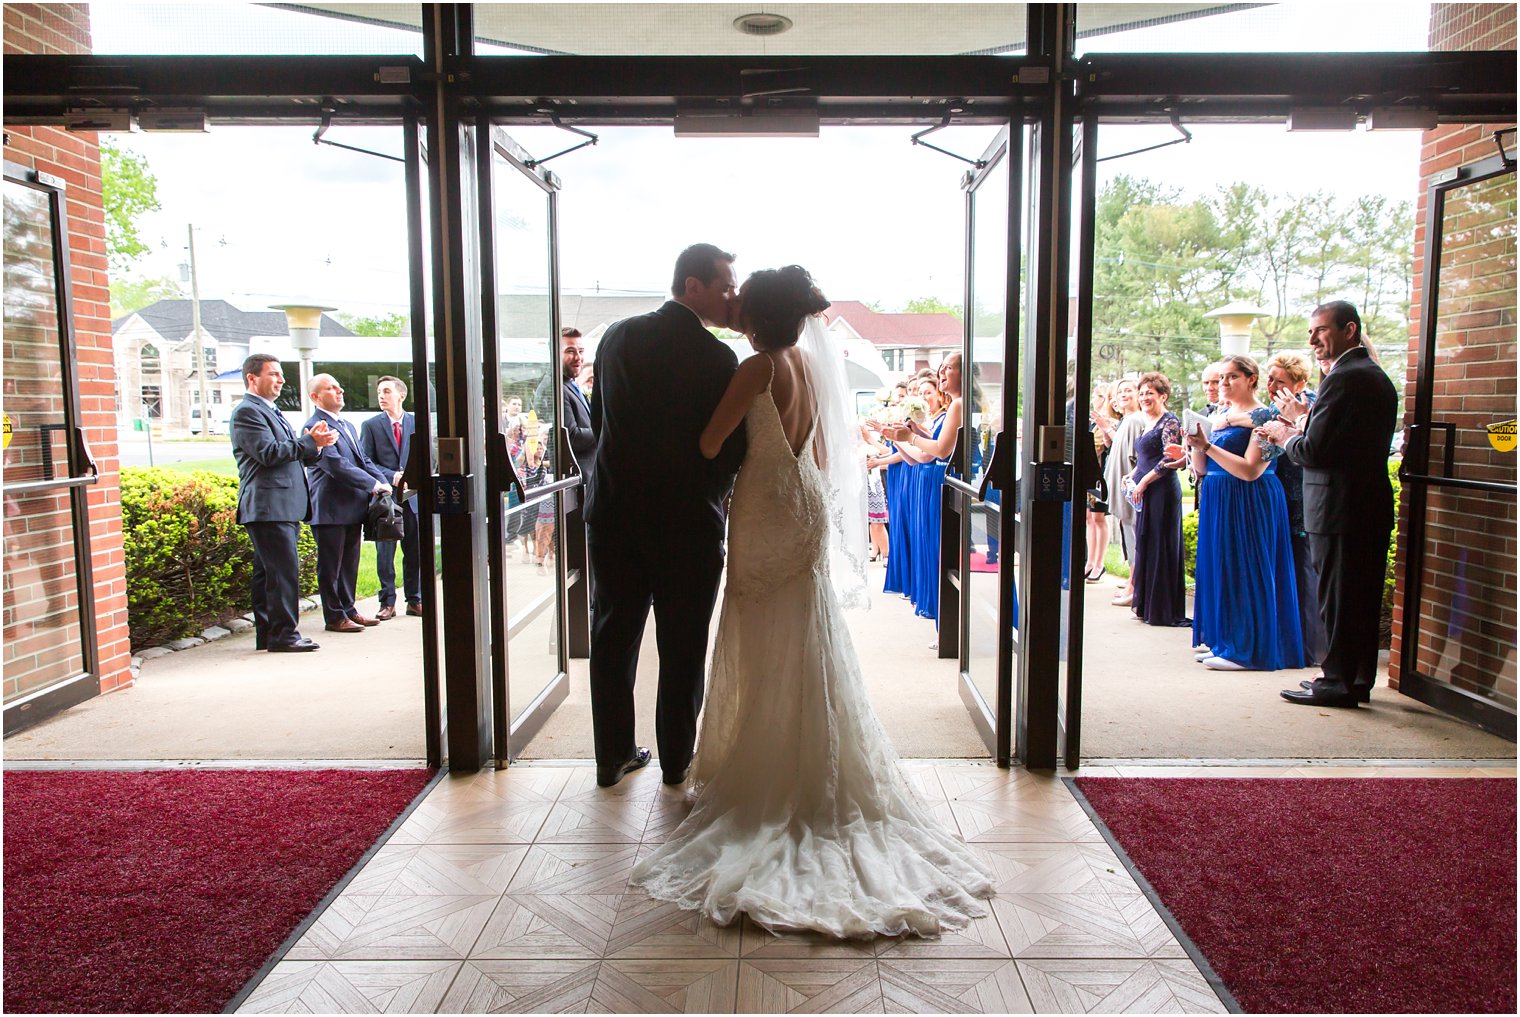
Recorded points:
(748, 381)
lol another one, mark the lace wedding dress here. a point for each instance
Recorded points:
(802, 819)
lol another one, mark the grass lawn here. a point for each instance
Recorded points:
(226, 467)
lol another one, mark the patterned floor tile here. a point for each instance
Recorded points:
(667, 810)
(988, 783)
(950, 985)
(596, 820)
(473, 819)
(397, 927)
(1073, 925)
(1148, 926)
(648, 929)
(581, 783)
(1072, 867)
(1117, 986)
(574, 868)
(352, 987)
(541, 784)
(448, 870)
(809, 985)
(923, 778)
(558, 925)
(981, 938)
(758, 943)
(690, 985)
(1040, 819)
(522, 986)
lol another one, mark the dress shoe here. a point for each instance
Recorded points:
(1321, 697)
(386, 613)
(302, 646)
(1222, 664)
(414, 609)
(1122, 601)
(346, 625)
(1362, 693)
(1097, 576)
(606, 776)
(673, 779)
(362, 620)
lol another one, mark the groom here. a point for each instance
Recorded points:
(655, 510)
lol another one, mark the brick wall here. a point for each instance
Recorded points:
(65, 28)
(1467, 610)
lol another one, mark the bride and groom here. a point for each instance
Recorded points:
(801, 818)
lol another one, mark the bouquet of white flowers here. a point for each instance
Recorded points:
(915, 409)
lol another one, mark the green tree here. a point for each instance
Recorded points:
(128, 189)
(130, 294)
(394, 324)
(931, 305)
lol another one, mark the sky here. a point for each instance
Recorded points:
(874, 217)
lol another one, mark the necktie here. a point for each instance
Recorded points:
(396, 425)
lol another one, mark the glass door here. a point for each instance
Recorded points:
(1458, 475)
(51, 661)
(530, 481)
(981, 499)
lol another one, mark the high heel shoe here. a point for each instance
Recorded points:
(1093, 577)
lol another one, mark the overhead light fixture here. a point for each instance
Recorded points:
(1332, 118)
(763, 25)
(1401, 118)
(181, 121)
(117, 120)
(795, 124)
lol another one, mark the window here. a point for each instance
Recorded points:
(152, 402)
(210, 352)
(151, 361)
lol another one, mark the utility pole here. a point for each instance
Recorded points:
(200, 342)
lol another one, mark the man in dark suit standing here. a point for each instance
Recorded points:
(386, 439)
(1348, 502)
(273, 500)
(656, 513)
(342, 479)
(575, 407)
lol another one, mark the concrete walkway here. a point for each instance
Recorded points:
(360, 697)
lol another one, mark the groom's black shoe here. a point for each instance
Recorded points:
(1363, 693)
(606, 776)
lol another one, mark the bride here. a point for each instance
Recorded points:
(801, 818)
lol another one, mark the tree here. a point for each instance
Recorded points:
(394, 324)
(130, 294)
(931, 305)
(128, 189)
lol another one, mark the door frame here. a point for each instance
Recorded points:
(1418, 478)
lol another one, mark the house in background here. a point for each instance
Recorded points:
(906, 342)
(156, 370)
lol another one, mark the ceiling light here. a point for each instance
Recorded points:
(1332, 118)
(1401, 118)
(762, 24)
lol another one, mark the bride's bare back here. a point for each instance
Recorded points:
(794, 400)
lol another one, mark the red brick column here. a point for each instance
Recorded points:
(65, 28)
(1476, 379)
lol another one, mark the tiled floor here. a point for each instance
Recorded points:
(508, 892)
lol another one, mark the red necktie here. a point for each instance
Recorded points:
(397, 425)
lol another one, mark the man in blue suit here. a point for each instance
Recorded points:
(386, 439)
(342, 480)
(273, 500)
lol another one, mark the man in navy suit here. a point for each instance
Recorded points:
(575, 407)
(386, 439)
(342, 479)
(273, 500)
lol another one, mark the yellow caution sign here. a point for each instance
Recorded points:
(1501, 435)
(6, 441)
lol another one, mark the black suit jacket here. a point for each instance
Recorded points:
(342, 477)
(271, 482)
(659, 376)
(1344, 449)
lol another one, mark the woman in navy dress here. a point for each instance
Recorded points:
(1246, 604)
(1160, 596)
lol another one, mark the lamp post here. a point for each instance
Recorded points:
(1235, 326)
(305, 324)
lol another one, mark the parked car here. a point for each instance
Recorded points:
(217, 423)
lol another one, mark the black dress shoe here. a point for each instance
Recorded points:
(1320, 697)
(1362, 693)
(606, 776)
(303, 646)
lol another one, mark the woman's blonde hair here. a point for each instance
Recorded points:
(1294, 365)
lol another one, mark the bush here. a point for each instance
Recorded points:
(188, 563)
(1385, 623)
(1189, 541)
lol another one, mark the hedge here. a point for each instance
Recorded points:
(188, 563)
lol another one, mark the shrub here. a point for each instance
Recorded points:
(1189, 541)
(188, 563)
(1385, 623)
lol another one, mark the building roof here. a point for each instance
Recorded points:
(898, 330)
(173, 319)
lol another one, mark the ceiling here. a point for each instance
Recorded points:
(837, 29)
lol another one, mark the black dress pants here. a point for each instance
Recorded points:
(411, 563)
(1351, 568)
(338, 568)
(678, 575)
(276, 586)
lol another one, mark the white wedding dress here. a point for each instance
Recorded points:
(802, 819)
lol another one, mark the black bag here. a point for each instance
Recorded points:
(384, 521)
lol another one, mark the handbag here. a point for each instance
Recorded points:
(384, 521)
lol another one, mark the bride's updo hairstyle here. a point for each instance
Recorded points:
(776, 300)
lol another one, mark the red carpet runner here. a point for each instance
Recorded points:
(164, 891)
(1333, 895)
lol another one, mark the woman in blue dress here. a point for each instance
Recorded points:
(932, 446)
(1246, 604)
(1160, 596)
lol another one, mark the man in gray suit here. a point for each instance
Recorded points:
(273, 500)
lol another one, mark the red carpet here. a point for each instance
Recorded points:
(1333, 895)
(164, 891)
(979, 563)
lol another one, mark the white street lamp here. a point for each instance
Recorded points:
(305, 324)
(1235, 326)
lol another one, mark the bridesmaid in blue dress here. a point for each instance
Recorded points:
(898, 553)
(1246, 602)
(931, 446)
(1160, 596)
